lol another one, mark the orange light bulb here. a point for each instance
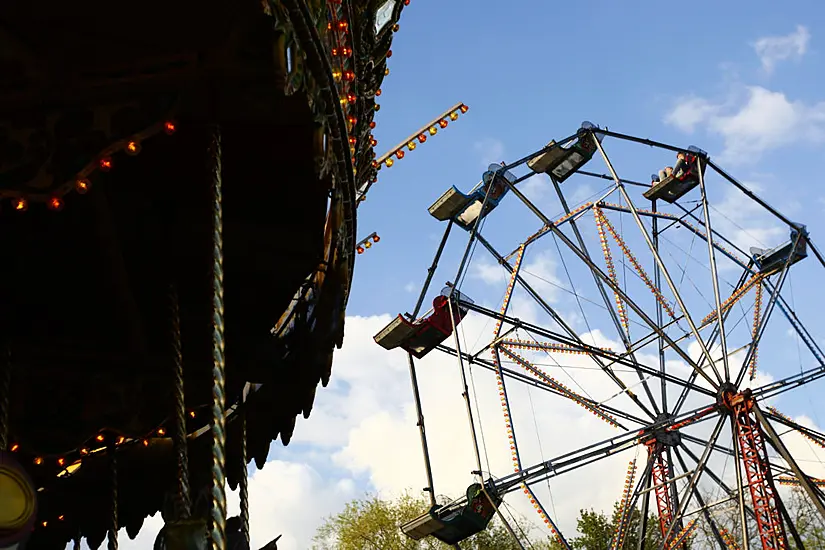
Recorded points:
(192, 414)
(145, 442)
(55, 204)
(352, 140)
(395, 28)
(378, 92)
(387, 72)
(99, 437)
(14, 447)
(133, 148)
(343, 25)
(375, 238)
(351, 119)
(399, 154)
(464, 108)
(422, 138)
(372, 125)
(161, 432)
(84, 451)
(20, 204)
(360, 250)
(105, 164)
(82, 185)
(389, 53)
(38, 461)
(443, 123)
(169, 127)
(349, 76)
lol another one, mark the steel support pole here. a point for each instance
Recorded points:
(740, 485)
(420, 423)
(713, 271)
(661, 263)
(615, 288)
(613, 315)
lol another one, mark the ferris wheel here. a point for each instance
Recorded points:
(681, 319)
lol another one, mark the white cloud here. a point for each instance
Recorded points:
(750, 125)
(490, 151)
(773, 49)
(364, 425)
(410, 287)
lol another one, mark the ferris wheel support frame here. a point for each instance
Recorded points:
(597, 451)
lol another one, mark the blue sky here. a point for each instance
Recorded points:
(742, 80)
(510, 67)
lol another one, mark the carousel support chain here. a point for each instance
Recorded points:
(184, 499)
(243, 489)
(113, 526)
(218, 509)
(5, 398)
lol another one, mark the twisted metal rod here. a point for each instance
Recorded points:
(113, 527)
(243, 489)
(218, 511)
(5, 399)
(184, 498)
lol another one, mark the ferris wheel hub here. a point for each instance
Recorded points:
(661, 434)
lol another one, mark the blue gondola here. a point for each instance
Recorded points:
(454, 523)
(673, 188)
(420, 336)
(563, 161)
(773, 260)
(463, 209)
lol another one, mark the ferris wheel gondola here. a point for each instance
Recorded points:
(667, 415)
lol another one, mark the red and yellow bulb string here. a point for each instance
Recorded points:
(757, 314)
(633, 261)
(558, 386)
(624, 503)
(546, 228)
(682, 535)
(505, 404)
(611, 270)
(813, 440)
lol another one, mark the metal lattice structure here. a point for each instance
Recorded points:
(684, 328)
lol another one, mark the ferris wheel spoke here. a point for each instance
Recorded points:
(714, 273)
(605, 299)
(560, 321)
(711, 340)
(703, 505)
(588, 349)
(662, 267)
(694, 479)
(817, 438)
(606, 279)
(766, 316)
(538, 383)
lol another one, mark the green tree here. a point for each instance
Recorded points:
(596, 531)
(373, 524)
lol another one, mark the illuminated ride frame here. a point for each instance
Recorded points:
(138, 165)
(677, 459)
